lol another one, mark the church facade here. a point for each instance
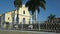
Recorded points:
(10, 17)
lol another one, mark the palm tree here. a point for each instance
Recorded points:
(51, 17)
(33, 6)
(18, 4)
(13, 18)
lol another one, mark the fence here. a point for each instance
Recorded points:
(32, 27)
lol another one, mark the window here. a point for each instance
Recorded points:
(8, 18)
(23, 12)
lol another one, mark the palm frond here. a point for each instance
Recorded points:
(44, 1)
(18, 3)
(35, 4)
(42, 5)
(38, 10)
(51, 16)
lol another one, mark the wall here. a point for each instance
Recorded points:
(8, 15)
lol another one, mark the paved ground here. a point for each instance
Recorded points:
(1, 32)
(23, 32)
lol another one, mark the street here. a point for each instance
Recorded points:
(24, 32)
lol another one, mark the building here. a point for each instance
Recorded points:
(54, 20)
(51, 25)
(10, 18)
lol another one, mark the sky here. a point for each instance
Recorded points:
(52, 7)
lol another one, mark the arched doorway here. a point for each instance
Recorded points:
(23, 20)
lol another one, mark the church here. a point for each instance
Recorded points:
(9, 18)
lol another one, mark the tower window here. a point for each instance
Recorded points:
(23, 12)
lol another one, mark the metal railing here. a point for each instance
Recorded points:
(28, 27)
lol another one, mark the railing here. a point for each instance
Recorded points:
(28, 27)
(52, 27)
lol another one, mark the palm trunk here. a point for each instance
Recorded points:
(13, 19)
(35, 15)
(31, 19)
(35, 19)
(17, 15)
(14, 16)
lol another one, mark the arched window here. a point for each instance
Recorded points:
(23, 12)
(8, 18)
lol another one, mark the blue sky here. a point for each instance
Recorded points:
(52, 7)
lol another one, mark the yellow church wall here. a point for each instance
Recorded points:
(22, 9)
(8, 15)
(26, 19)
